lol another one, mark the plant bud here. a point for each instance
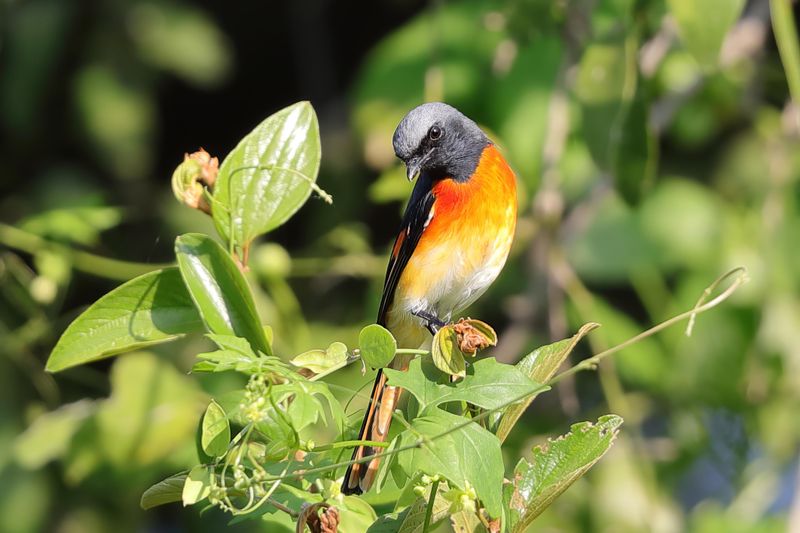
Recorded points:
(189, 181)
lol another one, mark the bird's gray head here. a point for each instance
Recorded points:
(438, 139)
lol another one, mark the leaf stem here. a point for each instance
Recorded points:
(89, 263)
(429, 509)
(349, 444)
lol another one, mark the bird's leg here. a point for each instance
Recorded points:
(433, 322)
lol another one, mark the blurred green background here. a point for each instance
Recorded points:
(655, 148)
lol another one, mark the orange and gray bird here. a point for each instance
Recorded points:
(454, 240)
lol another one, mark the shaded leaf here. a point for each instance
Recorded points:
(486, 383)
(150, 309)
(216, 433)
(219, 290)
(554, 467)
(540, 365)
(377, 346)
(166, 491)
(269, 174)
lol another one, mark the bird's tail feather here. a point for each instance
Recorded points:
(375, 427)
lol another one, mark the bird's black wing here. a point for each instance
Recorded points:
(415, 219)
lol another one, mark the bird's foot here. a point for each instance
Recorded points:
(433, 322)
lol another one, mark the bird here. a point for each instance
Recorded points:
(455, 237)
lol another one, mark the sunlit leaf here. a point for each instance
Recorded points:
(166, 491)
(319, 361)
(487, 384)
(197, 486)
(554, 467)
(377, 346)
(216, 433)
(447, 356)
(540, 365)
(268, 176)
(219, 290)
(150, 309)
(467, 454)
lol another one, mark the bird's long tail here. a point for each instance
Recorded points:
(375, 427)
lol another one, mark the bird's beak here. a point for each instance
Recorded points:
(412, 170)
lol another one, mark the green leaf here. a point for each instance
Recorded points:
(216, 431)
(197, 486)
(412, 518)
(540, 365)
(377, 346)
(269, 174)
(554, 467)
(150, 309)
(319, 361)
(166, 491)
(219, 290)
(487, 384)
(467, 454)
(50, 434)
(447, 356)
(702, 26)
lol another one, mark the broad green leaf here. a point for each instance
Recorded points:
(554, 467)
(219, 290)
(487, 384)
(447, 356)
(166, 491)
(702, 26)
(216, 431)
(50, 434)
(377, 346)
(268, 176)
(150, 309)
(540, 365)
(412, 518)
(459, 450)
(319, 361)
(197, 486)
(355, 515)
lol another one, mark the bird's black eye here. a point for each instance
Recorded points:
(435, 133)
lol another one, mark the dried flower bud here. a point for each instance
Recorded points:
(474, 335)
(189, 181)
(325, 522)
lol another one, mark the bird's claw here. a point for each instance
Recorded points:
(433, 322)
